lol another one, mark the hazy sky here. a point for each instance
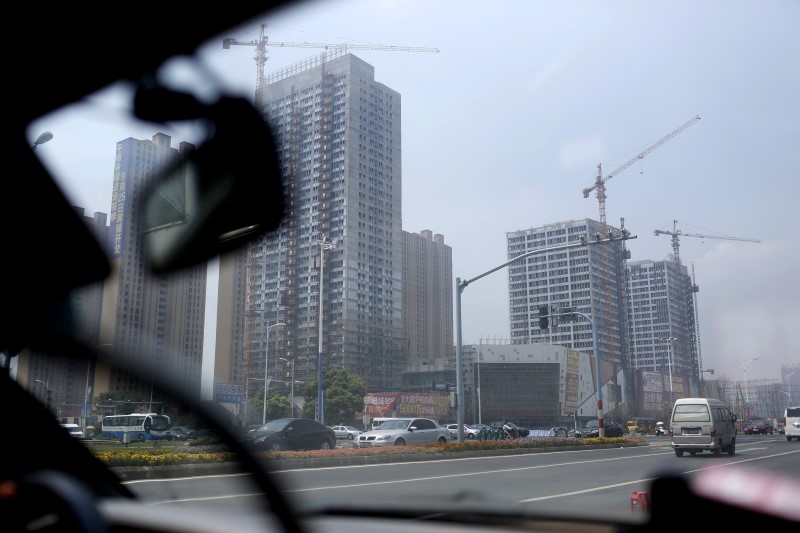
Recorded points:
(504, 127)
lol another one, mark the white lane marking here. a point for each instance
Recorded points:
(645, 480)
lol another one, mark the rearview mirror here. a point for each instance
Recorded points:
(217, 196)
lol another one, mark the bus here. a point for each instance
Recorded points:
(791, 421)
(139, 426)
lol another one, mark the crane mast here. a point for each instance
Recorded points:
(676, 233)
(599, 185)
(261, 51)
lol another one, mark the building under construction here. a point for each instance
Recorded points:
(756, 398)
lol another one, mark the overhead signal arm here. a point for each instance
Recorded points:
(599, 186)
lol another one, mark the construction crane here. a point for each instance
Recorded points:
(600, 182)
(676, 233)
(263, 40)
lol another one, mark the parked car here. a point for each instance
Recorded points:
(758, 426)
(469, 432)
(74, 430)
(404, 432)
(592, 429)
(346, 432)
(293, 434)
(559, 431)
(518, 431)
(180, 433)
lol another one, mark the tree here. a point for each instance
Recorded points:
(344, 396)
(277, 407)
(119, 403)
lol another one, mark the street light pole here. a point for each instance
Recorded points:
(291, 363)
(744, 372)
(324, 244)
(788, 385)
(266, 370)
(43, 138)
(46, 384)
(601, 423)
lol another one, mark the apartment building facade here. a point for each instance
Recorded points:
(337, 133)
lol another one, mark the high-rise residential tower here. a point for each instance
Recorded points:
(156, 316)
(661, 318)
(337, 133)
(428, 297)
(589, 278)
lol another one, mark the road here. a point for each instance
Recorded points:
(597, 482)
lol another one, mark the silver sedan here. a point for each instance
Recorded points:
(346, 432)
(404, 432)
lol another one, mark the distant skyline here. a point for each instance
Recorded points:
(505, 126)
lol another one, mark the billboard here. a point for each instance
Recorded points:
(653, 392)
(385, 404)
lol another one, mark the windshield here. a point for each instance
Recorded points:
(394, 424)
(690, 413)
(642, 157)
(274, 425)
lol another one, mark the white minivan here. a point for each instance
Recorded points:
(702, 424)
(74, 430)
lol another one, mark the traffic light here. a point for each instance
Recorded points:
(543, 321)
(554, 316)
(433, 385)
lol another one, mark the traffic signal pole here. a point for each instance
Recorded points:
(461, 285)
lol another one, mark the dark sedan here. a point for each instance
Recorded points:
(293, 434)
(592, 429)
(516, 431)
(758, 427)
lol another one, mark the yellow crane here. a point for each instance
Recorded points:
(600, 182)
(676, 233)
(263, 41)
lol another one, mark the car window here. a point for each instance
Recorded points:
(633, 153)
(690, 413)
(421, 423)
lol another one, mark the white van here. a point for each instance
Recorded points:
(791, 421)
(74, 430)
(702, 424)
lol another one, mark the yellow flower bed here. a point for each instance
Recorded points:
(166, 457)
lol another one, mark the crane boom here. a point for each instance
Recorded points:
(262, 42)
(676, 232)
(600, 182)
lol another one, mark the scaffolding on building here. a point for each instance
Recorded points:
(756, 398)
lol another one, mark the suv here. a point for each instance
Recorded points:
(758, 427)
